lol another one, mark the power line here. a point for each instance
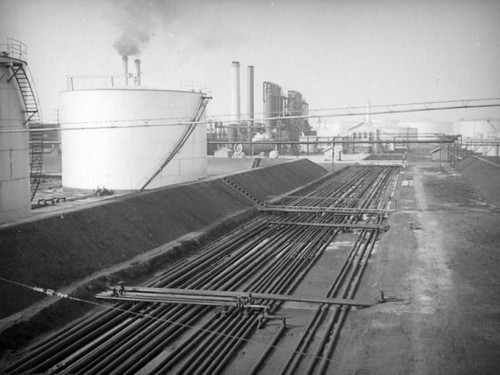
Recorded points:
(151, 122)
(428, 103)
(349, 108)
(53, 293)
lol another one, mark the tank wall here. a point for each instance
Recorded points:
(478, 129)
(430, 127)
(14, 154)
(123, 159)
(491, 150)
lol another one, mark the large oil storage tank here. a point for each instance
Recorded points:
(14, 147)
(477, 129)
(124, 157)
(430, 127)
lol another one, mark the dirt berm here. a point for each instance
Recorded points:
(484, 175)
(60, 250)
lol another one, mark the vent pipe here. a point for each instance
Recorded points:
(251, 112)
(235, 99)
(138, 70)
(125, 68)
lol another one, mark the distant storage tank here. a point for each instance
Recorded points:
(429, 127)
(14, 149)
(480, 130)
(122, 159)
(477, 129)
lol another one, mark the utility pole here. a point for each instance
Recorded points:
(440, 153)
(333, 152)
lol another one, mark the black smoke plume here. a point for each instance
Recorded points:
(131, 42)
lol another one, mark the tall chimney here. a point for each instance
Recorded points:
(270, 109)
(125, 68)
(235, 99)
(250, 103)
(138, 70)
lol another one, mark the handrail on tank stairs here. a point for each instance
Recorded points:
(14, 49)
(182, 140)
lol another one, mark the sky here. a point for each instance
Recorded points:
(336, 53)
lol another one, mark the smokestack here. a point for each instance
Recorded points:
(235, 98)
(250, 99)
(270, 109)
(125, 68)
(138, 70)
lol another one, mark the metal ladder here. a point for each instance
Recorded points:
(197, 116)
(242, 191)
(31, 110)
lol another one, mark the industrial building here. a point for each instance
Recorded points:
(173, 243)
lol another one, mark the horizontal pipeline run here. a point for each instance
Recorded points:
(128, 293)
(332, 225)
(176, 299)
(279, 142)
(316, 197)
(334, 210)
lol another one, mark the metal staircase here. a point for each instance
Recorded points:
(197, 116)
(242, 191)
(34, 124)
(20, 72)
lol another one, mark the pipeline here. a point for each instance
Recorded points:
(256, 257)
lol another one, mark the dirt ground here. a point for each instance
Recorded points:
(441, 280)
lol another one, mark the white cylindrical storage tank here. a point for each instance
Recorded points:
(14, 150)
(121, 158)
(430, 127)
(477, 129)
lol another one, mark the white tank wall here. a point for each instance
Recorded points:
(14, 154)
(430, 127)
(476, 129)
(123, 159)
(491, 150)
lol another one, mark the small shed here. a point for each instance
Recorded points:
(440, 154)
(223, 152)
(327, 152)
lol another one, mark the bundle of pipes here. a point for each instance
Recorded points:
(319, 209)
(258, 258)
(211, 297)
